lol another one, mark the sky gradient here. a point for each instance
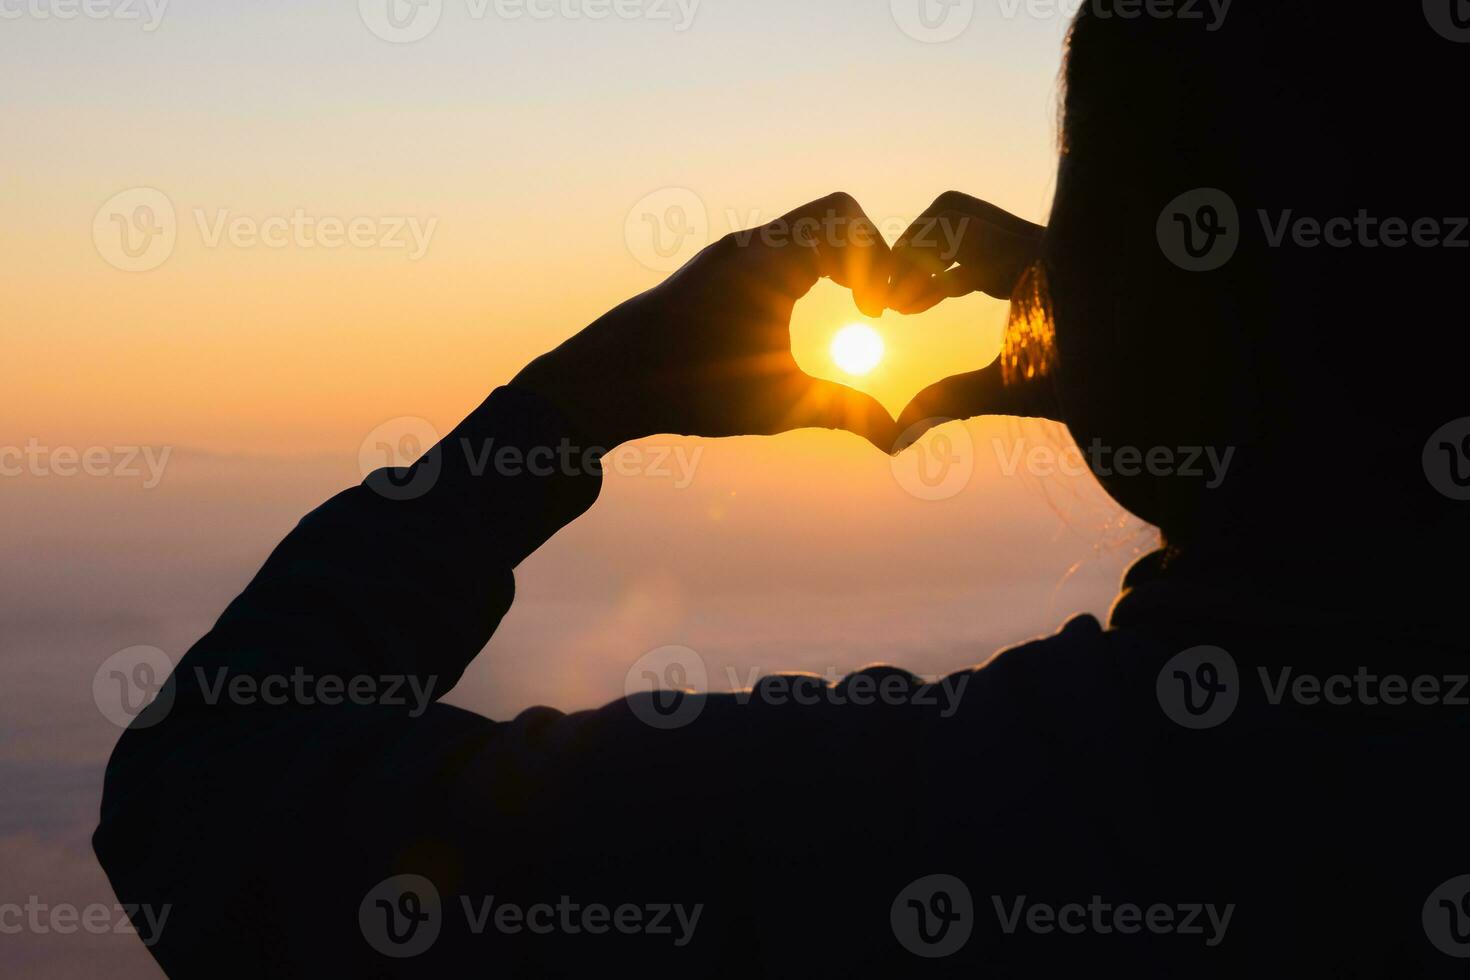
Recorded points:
(530, 154)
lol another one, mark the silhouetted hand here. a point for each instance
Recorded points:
(708, 352)
(959, 246)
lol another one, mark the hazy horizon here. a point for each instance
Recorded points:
(258, 376)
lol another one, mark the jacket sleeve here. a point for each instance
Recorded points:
(306, 689)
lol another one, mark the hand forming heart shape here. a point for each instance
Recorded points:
(959, 246)
(709, 351)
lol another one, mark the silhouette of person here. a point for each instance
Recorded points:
(1256, 764)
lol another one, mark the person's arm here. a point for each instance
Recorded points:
(306, 690)
(408, 573)
(411, 571)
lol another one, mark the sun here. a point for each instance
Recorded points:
(857, 349)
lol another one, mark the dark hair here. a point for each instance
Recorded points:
(1327, 368)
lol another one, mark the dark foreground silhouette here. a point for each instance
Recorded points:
(1255, 767)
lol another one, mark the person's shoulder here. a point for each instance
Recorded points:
(1079, 635)
(1081, 644)
(1071, 669)
(1072, 674)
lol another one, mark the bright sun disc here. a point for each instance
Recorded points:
(857, 349)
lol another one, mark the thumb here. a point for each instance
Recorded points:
(966, 396)
(829, 405)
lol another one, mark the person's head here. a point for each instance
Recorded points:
(1324, 367)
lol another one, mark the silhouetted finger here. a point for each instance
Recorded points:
(991, 259)
(828, 405)
(929, 246)
(954, 202)
(924, 295)
(834, 238)
(965, 396)
(934, 241)
(993, 245)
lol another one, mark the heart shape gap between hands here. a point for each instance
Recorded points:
(957, 336)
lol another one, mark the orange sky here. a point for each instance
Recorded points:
(525, 176)
(522, 149)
